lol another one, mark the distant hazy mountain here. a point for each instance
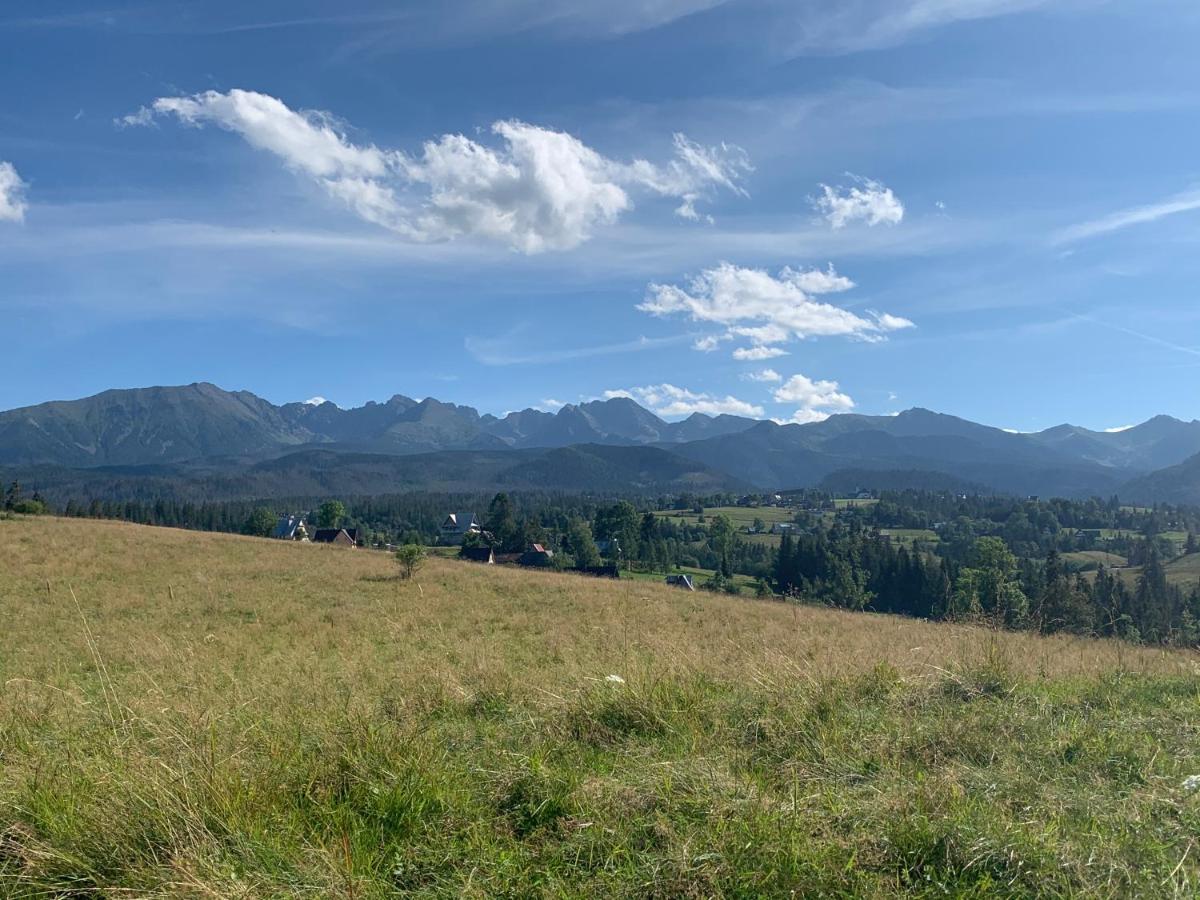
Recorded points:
(1159, 442)
(147, 425)
(796, 456)
(1175, 484)
(202, 426)
(595, 468)
(198, 421)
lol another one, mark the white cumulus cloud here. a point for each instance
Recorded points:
(866, 200)
(766, 309)
(758, 354)
(817, 400)
(535, 190)
(12, 194)
(669, 400)
(766, 376)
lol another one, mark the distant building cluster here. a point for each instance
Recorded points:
(294, 528)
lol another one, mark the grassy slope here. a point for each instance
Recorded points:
(1183, 571)
(242, 718)
(1093, 559)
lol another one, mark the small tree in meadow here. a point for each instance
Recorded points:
(410, 558)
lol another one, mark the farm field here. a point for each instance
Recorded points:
(742, 517)
(1184, 571)
(1087, 560)
(1109, 534)
(910, 536)
(187, 714)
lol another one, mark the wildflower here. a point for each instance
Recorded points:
(1191, 782)
(617, 679)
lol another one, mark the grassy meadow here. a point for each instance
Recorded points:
(201, 715)
(742, 517)
(1183, 571)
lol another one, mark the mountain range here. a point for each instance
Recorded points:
(236, 443)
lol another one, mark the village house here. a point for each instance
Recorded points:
(456, 527)
(536, 556)
(290, 528)
(484, 555)
(341, 537)
(681, 581)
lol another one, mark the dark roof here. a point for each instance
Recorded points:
(286, 527)
(460, 522)
(477, 554)
(329, 535)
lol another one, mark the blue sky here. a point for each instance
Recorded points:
(789, 209)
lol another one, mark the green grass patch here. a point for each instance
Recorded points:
(197, 715)
(910, 536)
(1091, 560)
(741, 516)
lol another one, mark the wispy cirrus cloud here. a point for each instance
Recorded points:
(1187, 201)
(831, 27)
(500, 352)
(768, 310)
(12, 194)
(388, 23)
(539, 190)
(673, 401)
(1140, 335)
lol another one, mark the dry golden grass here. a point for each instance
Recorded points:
(231, 607)
(251, 699)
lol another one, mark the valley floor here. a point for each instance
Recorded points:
(201, 715)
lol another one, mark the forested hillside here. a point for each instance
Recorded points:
(234, 444)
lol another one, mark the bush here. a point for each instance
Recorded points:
(719, 583)
(410, 557)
